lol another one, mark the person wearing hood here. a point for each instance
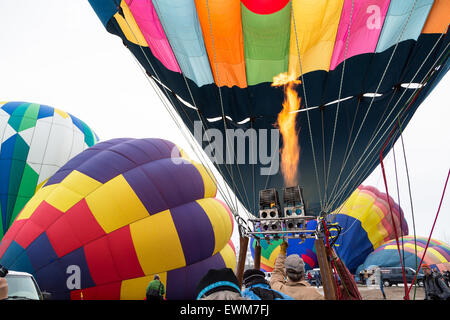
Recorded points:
(446, 277)
(288, 277)
(435, 287)
(257, 287)
(219, 284)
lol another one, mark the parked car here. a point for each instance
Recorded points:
(393, 275)
(23, 286)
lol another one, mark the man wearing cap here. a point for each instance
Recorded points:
(257, 287)
(219, 284)
(435, 287)
(295, 285)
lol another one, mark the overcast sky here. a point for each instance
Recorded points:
(58, 53)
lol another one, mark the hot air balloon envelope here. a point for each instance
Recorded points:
(117, 214)
(36, 141)
(363, 66)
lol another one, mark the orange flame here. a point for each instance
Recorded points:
(286, 122)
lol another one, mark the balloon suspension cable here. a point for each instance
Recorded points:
(431, 232)
(378, 128)
(360, 163)
(389, 202)
(410, 200)
(337, 110)
(366, 155)
(396, 127)
(401, 217)
(222, 107)
(205, 128)
(316, 171)
(189, 139)
(187, 136)
(204, 125)
(237, 191)
(373, 98)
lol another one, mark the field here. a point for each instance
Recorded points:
(392, 293)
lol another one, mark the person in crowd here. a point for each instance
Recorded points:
(379, 277)
(361, 276)
(309, 278)
(219, 284)
(155, 290)
(435, 287)
(294, 284)
(3, 289)
(258, 288)
(435, 271)
(318, 277)
(366, 277)
(3, 283)
(446, 277)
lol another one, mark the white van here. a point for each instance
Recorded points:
(23, 286)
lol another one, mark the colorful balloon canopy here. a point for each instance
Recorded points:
(270, 251)
(365, 65)
(36, 140)
(117, 214)
(437, 255)
(366, 222)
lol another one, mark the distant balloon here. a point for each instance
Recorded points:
(270, 251)
(36, 140)
(116, 215)
(437, 255)
(366, 224)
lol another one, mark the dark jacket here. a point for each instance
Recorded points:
(435, 287)
(262, 291)
(446, 277)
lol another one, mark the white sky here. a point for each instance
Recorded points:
(58, 53)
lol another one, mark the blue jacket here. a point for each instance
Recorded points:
(249, 293)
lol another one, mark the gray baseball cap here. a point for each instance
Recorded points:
(295, 263)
